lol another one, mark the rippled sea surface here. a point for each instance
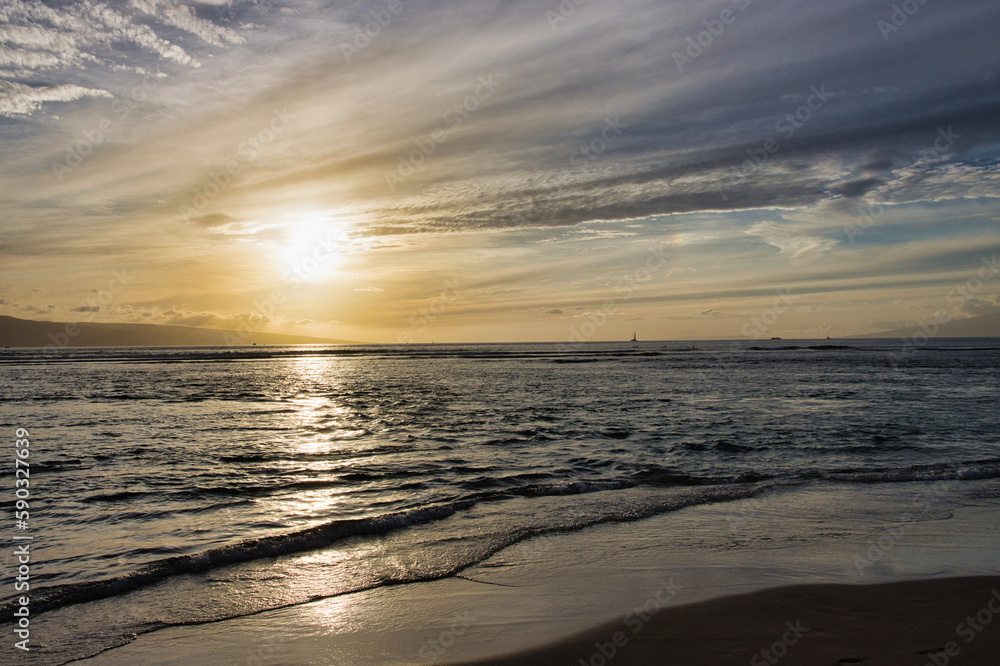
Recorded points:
(230, 474)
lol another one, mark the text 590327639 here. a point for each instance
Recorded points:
(22, 547)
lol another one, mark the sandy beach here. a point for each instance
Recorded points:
(933, 622)
(666, 591)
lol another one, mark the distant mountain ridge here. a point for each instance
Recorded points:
(16, 332)
(985, 326)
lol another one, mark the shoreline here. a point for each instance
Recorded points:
(934, 622)
(558, 599)
(928, 622)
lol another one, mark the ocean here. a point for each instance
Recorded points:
(184, 486)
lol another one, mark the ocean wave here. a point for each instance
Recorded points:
(971, 471)
(707, 489)
(655, 475)
(45, 599)
(573, 488)
(50, 598)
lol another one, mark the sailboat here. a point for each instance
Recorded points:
(633, 338)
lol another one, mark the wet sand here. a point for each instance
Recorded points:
(680, 588)
(933, 622)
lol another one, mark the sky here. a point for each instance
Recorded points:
(430, 170)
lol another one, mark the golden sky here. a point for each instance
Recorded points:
(500, 171)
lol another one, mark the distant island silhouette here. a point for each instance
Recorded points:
(984, 326)
(16, 332)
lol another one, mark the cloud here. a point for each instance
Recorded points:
(46, 310)
(789, 242)
(920, 182)
(74, 32)
(41, 43)
(185, 316)
(974, 307)
(684, 145)
(710, 313)
(564, 151)
(184, 17)
(891, 324)
(20, 100)
(535, 150)
(213, 221)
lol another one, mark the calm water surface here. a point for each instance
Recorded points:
(253, 479)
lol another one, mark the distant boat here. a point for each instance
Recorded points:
(775, 338)
(633, 338)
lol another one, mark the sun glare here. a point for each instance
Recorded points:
(313, 247)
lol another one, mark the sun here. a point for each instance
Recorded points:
(314, 247)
